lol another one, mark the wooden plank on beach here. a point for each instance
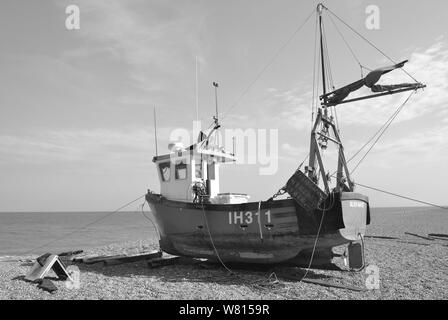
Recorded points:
(412, 242)
(118, 259)
(382, 237)
(127, 259)
(418, 236)
(320, 282)
(438, 238)
(333, 285)
(442, 235)
(163, 261)
(96, 259)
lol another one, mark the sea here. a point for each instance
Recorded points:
(29, 233)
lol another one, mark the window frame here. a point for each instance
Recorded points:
(176, 169)
(164, 164)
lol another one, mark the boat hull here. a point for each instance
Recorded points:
(267, 232)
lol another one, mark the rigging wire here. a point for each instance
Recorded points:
(369, 42)
(401, 196)
(84, 227)
(87, 225)
(271, 61)
(374, 135)
(348, 45)
(383, 131)
(327, 60)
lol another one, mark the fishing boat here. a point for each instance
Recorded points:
(301, 224)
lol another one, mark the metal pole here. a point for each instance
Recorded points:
(320, 8)
(197, 91)
(215, 84)
(155, 130)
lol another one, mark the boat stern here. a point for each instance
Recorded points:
(355, 214)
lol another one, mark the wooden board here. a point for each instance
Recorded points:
(163, 261)
(118, 259)
(135, 258)
(320, 282)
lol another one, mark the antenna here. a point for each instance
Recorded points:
(197, 91)
(155, 130)
(215, 84)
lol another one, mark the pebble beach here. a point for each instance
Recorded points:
(412, 270)
(409, 268)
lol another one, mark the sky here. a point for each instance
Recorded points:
(76, 106)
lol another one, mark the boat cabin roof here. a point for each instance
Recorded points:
(197, 149)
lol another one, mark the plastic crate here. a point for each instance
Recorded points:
(307, 194)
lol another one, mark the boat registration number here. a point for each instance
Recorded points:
(247, 217)
(357, 204)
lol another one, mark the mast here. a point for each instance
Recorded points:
(155, 130)
(197, 90)
(314, 147)
(320, 133)
(215, 84)
(324, 84)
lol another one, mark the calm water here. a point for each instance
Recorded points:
(21, 232)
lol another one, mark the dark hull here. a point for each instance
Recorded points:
(280, 233)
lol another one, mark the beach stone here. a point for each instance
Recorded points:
(47, 285)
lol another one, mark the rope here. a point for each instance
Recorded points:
(259, 221)
(329, 74)
(317, 236)
(383, 131)
(370, 43)
(76, 230)
(401, 196)
(346, 43)
(148, 218)
(213, 243)
(85, 226)
(271, 61)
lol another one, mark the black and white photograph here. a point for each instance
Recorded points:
(224, 156)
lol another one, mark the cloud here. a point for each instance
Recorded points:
(291, 106)
(151, 39)
(99, 147)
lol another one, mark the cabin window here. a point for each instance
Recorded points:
(198, 170)
(165, 170)
(181, 170)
